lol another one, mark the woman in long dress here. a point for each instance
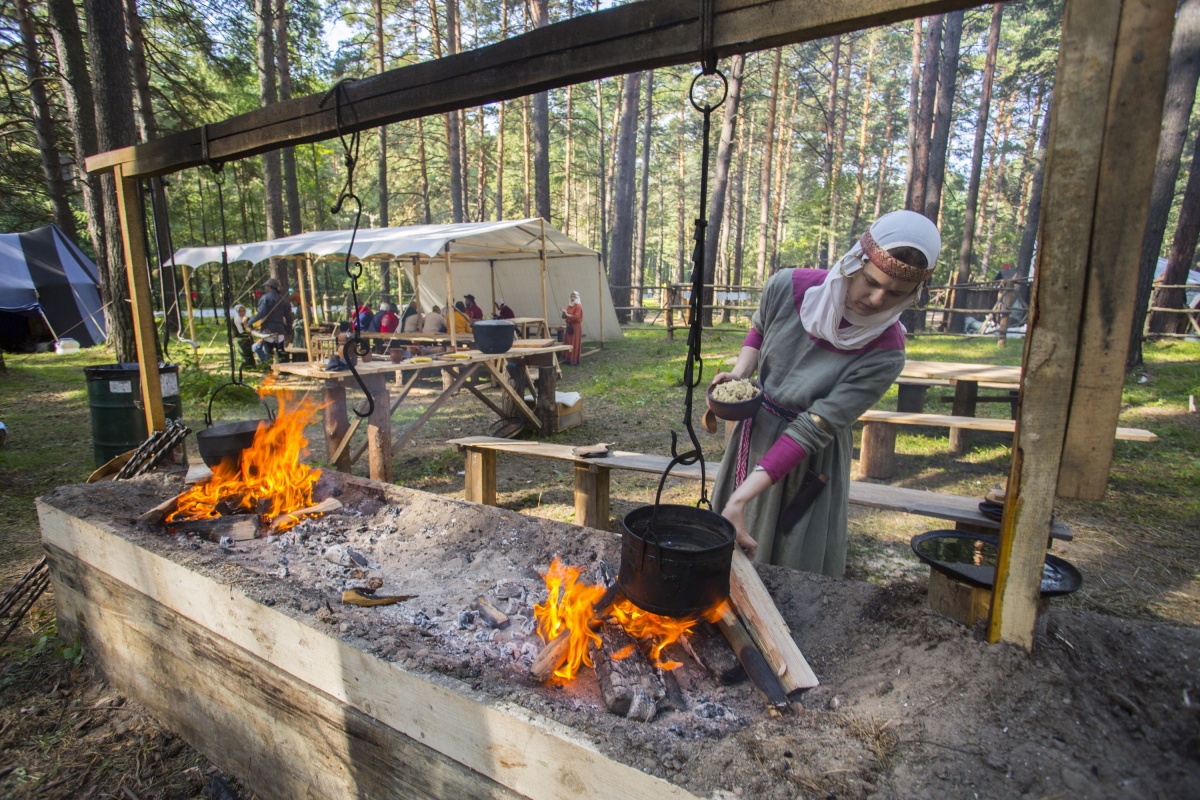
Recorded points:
(573, 335)
(826, 346)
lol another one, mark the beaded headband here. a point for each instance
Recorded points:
(890, 264)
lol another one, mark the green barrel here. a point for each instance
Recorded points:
(115, 406)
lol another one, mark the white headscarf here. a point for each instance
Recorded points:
(574, 300)
(824, 306)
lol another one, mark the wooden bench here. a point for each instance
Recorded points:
(877, 458)
(592, 485)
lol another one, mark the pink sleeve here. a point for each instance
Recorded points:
(753, 339)
(782, 458)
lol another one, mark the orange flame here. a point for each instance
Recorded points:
(270, 479)
(570, 607)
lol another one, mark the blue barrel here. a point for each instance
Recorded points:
(115, 406)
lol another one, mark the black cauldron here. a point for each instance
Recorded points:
(227, 440)
(679, 566)
(493, 336)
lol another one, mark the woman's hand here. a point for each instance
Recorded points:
(736, 513)
(722, 377)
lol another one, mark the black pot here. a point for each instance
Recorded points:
(680, 567)
(227, 440)
(493, 336)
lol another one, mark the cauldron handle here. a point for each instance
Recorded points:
(208, 417)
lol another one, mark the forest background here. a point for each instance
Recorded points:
(948, 115)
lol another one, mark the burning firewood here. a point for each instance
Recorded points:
(238, 527)
(767, 627)
(756, 666)
(292, 517)
(156, 515)
(627, 682)
(707, 647)
(494, 617)
(556, 651)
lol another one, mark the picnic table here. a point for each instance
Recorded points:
(380, 445)
(965, 379)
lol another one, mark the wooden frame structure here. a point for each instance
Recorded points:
(1111, 80)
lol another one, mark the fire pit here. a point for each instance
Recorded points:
(225, 640)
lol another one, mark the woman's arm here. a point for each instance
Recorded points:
(757, 482)
(747, 363)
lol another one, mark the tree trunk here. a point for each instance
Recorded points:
(453, 134)
(112, 89)
(1177, 110)
(882, 177)
(830, 133)
(1182, 256)
(862, 139)
(272, 164)
(43, 124)
(998, 191)
(764, 209)
(739, 240)
(621, 252)
(526, 158)
(77, 95)
(919, 148)
(1029, 235)
(602, 175)
(720, 184)
(940, 140)
(422, 156)
(385, 267)
(680, 224)
(781, 186)
(914, 104)
(955, 322)
(639, 258)
(541, 127)
(283, 63)
(838, 151)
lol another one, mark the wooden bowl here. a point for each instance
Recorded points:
(735, 411)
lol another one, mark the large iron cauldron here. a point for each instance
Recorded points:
(679, 566)
(227, 440)
(493, 336)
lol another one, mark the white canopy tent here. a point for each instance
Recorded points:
(487, 259)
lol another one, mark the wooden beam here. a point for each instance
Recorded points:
(133, 241)
(480, 472)
(771, 633)
(617, 41)
(1122, 203)
(1081, 91)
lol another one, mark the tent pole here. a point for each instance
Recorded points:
(308, 342)
(133, 242)
(187, 298)
(450, 303)
(312, 287)
(417, 284)
(492, 265)
(542, 254)
(600, 296)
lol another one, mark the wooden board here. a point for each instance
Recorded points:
(771, 633)
(1127, 166)
(617, 41)
(528, 754)
(979, 423)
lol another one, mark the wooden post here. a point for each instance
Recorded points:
(599, 296)
(450, 303)
(480, 476)
(547, 407)
(187, 297)
(133, 241)
(337, 423)
(492, 272)
(877, 456)
(542, 256)
(966, 393)
(379, 430)
(591, 496)
(417, 285)
(1110, 54)
(312, 288)
(1122, 203)
(910, 397)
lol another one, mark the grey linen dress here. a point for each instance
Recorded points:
(805, 374)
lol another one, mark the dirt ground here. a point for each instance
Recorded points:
(910, 704)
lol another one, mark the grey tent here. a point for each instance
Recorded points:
(44, 275)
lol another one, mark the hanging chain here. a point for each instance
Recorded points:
(693, 368)
(356, 345)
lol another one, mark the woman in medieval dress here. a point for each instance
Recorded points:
(573, 335)
(826, 346)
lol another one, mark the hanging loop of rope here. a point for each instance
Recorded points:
(693, 368)
(356, 345)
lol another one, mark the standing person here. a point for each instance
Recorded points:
(241, 323)
(474, 312)
(826, 346)
(573, 335)
(274, 317)
(503, 311)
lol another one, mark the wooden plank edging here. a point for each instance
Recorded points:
(524, 751)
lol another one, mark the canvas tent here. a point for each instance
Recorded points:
(487, 259)
(44, 275)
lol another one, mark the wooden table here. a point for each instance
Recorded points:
(965, 378)
(530, 327)
(380, 445)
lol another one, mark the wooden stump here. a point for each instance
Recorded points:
(957, 600)
(877, 457)
(481, 476)
(547, 405)
(628, 683)
(379, 430)
(337, 424)
(591, 496)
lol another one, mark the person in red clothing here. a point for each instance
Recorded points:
(389, 321)
(503, 311)
(474, 312)
(573, 335)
